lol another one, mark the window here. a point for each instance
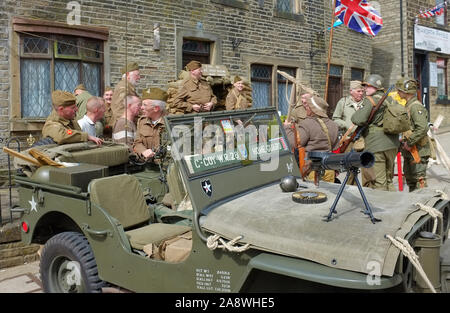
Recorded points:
(50, 62)
(334, 87)
(357, 74)
(283, 96)
(441, 78)
(196, 50)
(288, 6)
(441, 17)
(241, 4)
(46, 56)
(261, 79)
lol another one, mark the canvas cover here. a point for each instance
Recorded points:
(109, 154)
(270, 220)
(122, 197)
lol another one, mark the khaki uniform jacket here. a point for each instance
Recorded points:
(312, 135)
(419, 126)
(82, 100)
(122, 90)
(345, 108)
(298, 113)
(193, 92)
(148, 135)
(118, 135)
(376, 140)
(236, 101)
(63, 131)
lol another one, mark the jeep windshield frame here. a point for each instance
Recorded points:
(210, 185)
(207, 143)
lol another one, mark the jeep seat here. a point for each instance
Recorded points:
(121, 197)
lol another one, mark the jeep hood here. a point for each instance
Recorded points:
(270, 220)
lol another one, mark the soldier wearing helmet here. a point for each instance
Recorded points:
(383, 146)
(415, 173)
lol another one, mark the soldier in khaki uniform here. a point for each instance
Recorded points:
(150, 126)
(235, 99)
(61, 125)
(107, 117)
(195, 95)
(383, 146)
(82, 96)
(317, 132)
(126, 87)
(124, 130)
(348, 105)
(415, 173)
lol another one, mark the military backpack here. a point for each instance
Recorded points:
(395, 118)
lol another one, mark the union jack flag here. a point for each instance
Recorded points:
(359, 15)
(436, 11)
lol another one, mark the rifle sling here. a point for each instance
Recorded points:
(325, 130)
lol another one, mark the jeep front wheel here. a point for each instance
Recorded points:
(68, 265)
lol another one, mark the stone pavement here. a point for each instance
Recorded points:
(21, 279)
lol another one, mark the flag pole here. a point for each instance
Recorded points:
(330, 47)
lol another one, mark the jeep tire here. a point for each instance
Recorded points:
(68, 265)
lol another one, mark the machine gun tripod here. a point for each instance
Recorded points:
(349, 162)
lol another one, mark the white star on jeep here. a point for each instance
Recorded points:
(33, 204)
(207, 187)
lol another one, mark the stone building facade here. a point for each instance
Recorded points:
(47, 45)
(411, 46)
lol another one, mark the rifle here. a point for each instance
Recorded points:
(357, 133)
(301, 152)
(291, 102)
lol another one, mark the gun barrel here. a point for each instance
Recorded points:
(341, 162)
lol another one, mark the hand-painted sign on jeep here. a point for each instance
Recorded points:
(211, 217)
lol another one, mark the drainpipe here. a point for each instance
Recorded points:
(401, 37)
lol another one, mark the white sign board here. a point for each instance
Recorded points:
(433, 74)
(431, 39)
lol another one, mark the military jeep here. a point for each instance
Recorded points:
(209, 216)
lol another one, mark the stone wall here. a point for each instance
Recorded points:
(269, 37)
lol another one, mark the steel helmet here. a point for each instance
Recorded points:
(406, 85)
(374, 80)
(288, 184)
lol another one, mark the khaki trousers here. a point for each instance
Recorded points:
(380, 176)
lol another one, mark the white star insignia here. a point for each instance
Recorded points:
(207, 187)
(33, 204)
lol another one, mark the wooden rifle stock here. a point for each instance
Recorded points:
(415, 154)
(301, 152)
(360, 129)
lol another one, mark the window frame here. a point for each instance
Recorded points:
(296, 14)
(270, 80)
(444, 68)
(442, 17)
(22, 27)
(275, 64)
(240, 4)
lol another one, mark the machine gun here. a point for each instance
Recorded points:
(346, 162)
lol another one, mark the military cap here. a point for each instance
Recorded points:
(407, 85)
(133, 66)
(193, 65)
(80, 87)
(237, 79)
(63, 98)
(374, 80)
(318, 105)
(356, 84)
(154, 94)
